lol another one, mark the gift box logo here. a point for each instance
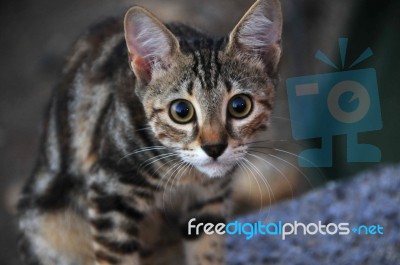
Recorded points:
(340, 103)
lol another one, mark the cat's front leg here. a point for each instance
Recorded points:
(114, 214)
(205, 248)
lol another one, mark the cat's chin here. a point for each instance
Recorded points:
(215, 170)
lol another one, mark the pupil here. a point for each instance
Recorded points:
(239, 104)
(182, 109)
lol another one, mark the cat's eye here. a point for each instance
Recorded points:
(240, 106)
(181, 111)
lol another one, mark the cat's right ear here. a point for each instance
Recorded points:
(150, 44)
(258, 33)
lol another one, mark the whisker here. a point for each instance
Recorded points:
(162, 179)
(277, 140)
(175, 167)
(185, 166)
(287, 162)
(286, 119)
(178, 177)
(254, 76)
(277, 169)
(242, 161)
(280, 117)
(266, 183)
(164, 156)
(292, 154)
(143, 149)
(155, 158)
(244, 171)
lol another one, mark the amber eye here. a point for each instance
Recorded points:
(181, 111)
(240, 106)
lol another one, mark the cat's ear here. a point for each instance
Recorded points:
(258, 33)
(150, 44)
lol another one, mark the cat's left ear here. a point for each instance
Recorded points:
(258, 33)
(150, 44)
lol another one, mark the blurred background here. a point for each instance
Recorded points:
(36, 35)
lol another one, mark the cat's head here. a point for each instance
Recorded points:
(206, 99)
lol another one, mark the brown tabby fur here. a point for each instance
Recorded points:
(113, 164)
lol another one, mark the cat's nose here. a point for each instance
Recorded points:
(214, 150)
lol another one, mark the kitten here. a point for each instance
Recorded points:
(149, 121)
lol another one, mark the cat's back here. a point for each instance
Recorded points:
(93, 48)
(95, 72)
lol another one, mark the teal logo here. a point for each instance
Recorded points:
(345, 102)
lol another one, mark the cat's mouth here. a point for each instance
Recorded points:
(209, 166)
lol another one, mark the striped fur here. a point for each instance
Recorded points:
(112, 159)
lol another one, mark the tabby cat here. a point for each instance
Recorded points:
(149, 121)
